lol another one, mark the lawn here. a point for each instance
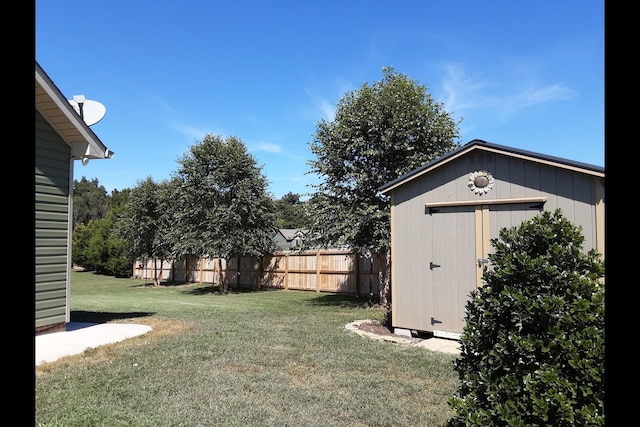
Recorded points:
(253, 358)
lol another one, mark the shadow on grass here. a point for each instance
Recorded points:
(215, 289)
(347, 301)
(104, 317)
(164, 284)
(327, 299)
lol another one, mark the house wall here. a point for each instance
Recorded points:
(419, 237)
(51, 227)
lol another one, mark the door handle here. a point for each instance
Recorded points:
(482, 261)
(432, 265)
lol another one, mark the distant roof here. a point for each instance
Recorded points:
(291, 233)
(478, 144)
(57, 110)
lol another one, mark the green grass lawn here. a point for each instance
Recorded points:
(259, 358)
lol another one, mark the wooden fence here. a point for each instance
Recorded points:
(320, 271)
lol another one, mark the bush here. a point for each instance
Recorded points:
(532, 350)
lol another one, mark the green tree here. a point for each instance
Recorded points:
(380, 132)
(290, 211)
(119, 197)
(145, 222)
(94, 247)
(119, 261)
(104, 252)
(533, 343)
(79, 244)
(225, 209)
(90, 201)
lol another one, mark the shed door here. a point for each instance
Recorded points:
(460, 250)
(452, 268)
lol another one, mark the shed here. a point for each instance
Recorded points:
(62, 137)
(444, 214)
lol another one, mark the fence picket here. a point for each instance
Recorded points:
(337, 271)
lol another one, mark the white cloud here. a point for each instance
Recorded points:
(328, 109)
(505, 93)
(461, 92)
(539, 95)
(267, 146)
(191, 132)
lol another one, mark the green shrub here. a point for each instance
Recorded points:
(532, 350)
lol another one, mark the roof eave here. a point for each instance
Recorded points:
(52, 104)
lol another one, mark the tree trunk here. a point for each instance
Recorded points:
(156, 280)
(384, 278)
(238, 275)
(260, 271)
(224, 279)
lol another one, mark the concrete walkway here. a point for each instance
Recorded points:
(81, 336)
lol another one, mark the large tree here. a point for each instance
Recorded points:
(145, 222)
(90, 201)
(94, 246)
(290, 211)
(380, 132)
(224, 210)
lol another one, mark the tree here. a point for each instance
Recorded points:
(290, 211)
(145, 222)
(90, 201)
(79, 244)
(380, 132)
(225, 210)
(533, 343)
(105, 253)
(94, 247)
(119, 197)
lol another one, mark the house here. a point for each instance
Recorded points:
(444, 214)
(62, 138)
(288, 238)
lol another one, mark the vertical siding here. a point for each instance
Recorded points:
(51, 225)
(465, 256)
(572, 192)
(418, 238)
(411, 292)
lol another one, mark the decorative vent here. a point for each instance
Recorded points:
(481, 182)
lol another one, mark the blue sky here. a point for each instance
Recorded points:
(527, 74)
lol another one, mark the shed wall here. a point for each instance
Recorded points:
(419, 237)
(51, 225)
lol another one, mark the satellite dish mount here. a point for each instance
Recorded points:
(91, 112)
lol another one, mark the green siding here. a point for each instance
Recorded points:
(51, 224)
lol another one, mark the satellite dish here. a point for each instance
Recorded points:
(90, 111)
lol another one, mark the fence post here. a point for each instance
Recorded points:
(318, 271)
(356, 260)
(286, 271)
